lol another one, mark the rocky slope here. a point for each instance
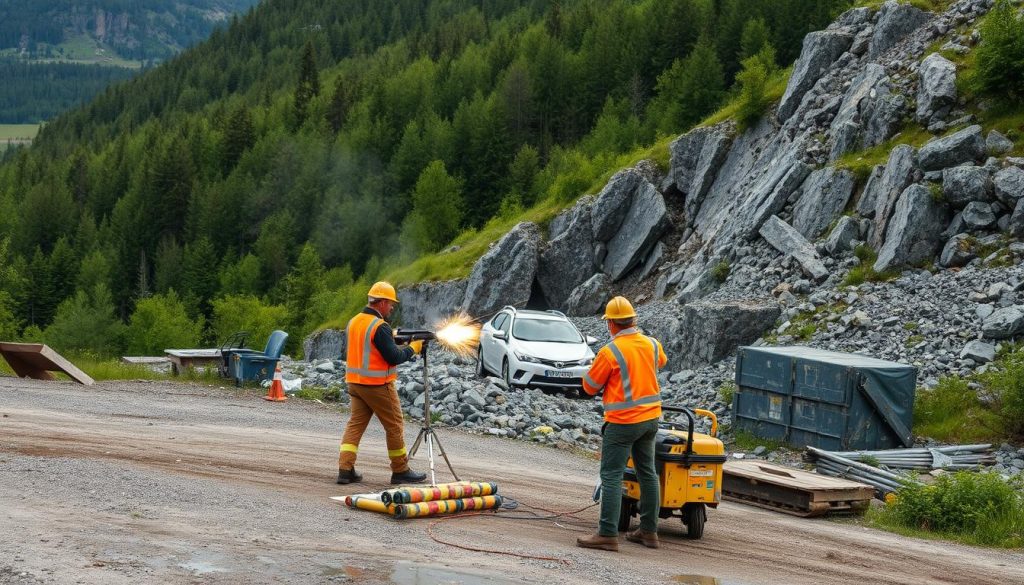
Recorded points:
(749, 236)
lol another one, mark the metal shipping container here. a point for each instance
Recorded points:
(831, 400)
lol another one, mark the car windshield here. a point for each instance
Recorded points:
(545, 330)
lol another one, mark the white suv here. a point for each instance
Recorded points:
(534, 348)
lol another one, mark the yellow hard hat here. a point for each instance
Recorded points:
(383, 290)
(619, 308)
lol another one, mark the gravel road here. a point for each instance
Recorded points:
(156, 482)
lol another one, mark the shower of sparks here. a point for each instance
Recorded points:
(459, 334)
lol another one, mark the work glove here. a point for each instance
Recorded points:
(417, 346)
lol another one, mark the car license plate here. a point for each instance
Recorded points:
(557, 374)
(701, 473)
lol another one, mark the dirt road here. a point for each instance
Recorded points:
(137, 482)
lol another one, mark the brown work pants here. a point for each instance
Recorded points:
(368, 401)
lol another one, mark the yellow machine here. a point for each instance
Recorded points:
(689, 467)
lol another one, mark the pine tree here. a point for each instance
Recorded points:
(754, 38)
(301, 286)
(239, 136)
(437, 209)
(308, 86)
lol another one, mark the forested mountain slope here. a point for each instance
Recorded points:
(313, 142)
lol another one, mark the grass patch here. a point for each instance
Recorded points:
(747, 441)
(972, 508)
(18, 131)
(727, 391)
(952, 412)
(865, 272)
(329, 394)
(720, 271)
(913, 340)
(929, 5)
(862, 162)
(910, 325)
(101, 369)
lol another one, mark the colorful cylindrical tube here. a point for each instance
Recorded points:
(371, 504)
(436, 507)
(451, 491)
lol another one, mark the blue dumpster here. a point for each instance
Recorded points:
(831, 400)
(255, 366)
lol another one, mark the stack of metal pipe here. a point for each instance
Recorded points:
(884, 482)
(954, 457)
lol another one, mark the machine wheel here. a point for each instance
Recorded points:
(506, 375)
(481, 369)
(694, 516)
(626, 512)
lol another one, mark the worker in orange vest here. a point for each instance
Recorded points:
(627, 371)
(370, 372)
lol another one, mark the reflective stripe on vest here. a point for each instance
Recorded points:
(627, 385)
(365, 371)
(590, 382)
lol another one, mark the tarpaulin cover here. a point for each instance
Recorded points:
(828, 399)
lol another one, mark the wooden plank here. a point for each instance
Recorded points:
(193, 353)
(792, 491)
(35, 360)
(780, 475)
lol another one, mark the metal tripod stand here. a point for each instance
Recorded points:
(427, 433)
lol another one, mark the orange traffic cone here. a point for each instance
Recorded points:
(276, 393)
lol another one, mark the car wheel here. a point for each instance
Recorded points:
(694, 516)
(506, 375)
(481, 369)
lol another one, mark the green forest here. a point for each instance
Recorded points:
(33, 92)
(263, 177)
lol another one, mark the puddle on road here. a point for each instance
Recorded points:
(412, 574)
(203, 564)
(701, 580)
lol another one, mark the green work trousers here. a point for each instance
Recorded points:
(617, 444)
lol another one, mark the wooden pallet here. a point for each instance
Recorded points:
(37, 361)
(793, 491)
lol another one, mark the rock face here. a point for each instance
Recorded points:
(504, 275)
(937, 89)
(770, 196)
(825, 194)
(710, 331)
(820, 50)
(323, 344)
(589, 298)
(914, 230)
(895, 21)
(644, 221)
(899, 173)
(967, 145)
(613, 203)
(568, 259)
(869, 198)
(716, 148)
(787, 240)
(424, 304)
(962, 185)
(869, 115)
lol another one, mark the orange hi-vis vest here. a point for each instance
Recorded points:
(364, 364)
(627, 370)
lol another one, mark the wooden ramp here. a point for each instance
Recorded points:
(793, 491)
(37, 361)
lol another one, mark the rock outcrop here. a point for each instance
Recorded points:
(895, 21)
(820, 50)
(937, 90)
(967, 145)
(914, 231)
(787, 240)
(709, 331)
(505, 274)
(567, 260)
(825, 194)
(424, 304)
(642, 219)
(323, 344)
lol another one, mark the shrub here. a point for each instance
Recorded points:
(952, 412)
(160, 322)
(979, 508)
(727, 390)
(1006, 383)
(753, 83)
(246, 313)
(1000, 57)
(720, 271)
(86, 323)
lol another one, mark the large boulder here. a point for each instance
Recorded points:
(937, 88)
(978, 215)
(869, 197)
(787, 240)
(683, 154)
(967, 145)
(709, 331)
(1003, 323)
(613, 203)
(645, 220)
(1016, 225)
(424, 304)
(915, 229)
(505, 274)
(846, 126)
(962, 185)
(899, 173)
(825, 195)
(895, 21)
(1009, 185)
(589, 298)
(568, 259)
(841, 239)
(323, 344)
(882, 115)
(820, 50)
(957, 252)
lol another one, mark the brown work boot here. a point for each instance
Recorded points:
(347, 476)
(599, 542)
(648, 539)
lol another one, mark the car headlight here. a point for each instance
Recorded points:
(587, 361)
(526, 358)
